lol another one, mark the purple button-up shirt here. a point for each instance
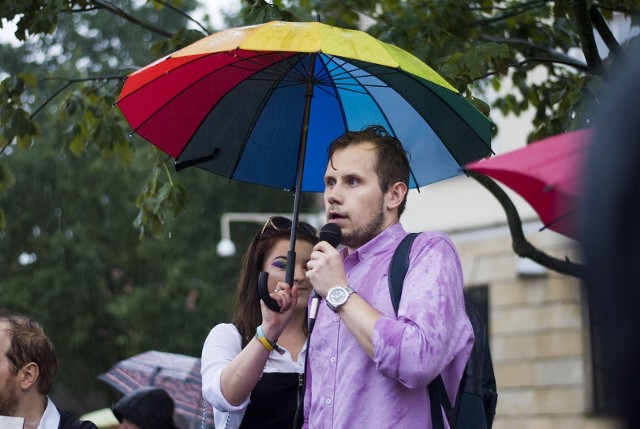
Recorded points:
(431, 335)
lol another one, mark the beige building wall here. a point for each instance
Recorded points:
(538, 333)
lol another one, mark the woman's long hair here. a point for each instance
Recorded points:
(246, 309)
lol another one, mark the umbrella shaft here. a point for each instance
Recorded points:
(291, 256)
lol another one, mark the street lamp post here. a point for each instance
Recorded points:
(226, 247)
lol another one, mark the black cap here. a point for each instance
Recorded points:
(147, 407)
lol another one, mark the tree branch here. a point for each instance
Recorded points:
(605, 32)
(68, 83)
(508, 8)
(513, 11)
(99, 4)
(621, 9)
(182, 13)
(553, 55)
(522, 63)
(519, 243)
(585, 33)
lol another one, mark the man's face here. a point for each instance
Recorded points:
(352, 196)
(8, 381)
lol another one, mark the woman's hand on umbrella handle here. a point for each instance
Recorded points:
(263, 291)
(287, 298)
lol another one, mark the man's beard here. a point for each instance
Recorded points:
(8, 399)
(364, 233)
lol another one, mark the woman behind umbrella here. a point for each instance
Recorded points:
(252, 368)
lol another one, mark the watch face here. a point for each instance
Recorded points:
(337, 296)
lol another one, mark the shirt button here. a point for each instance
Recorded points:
(336, 318)
(327, 401)
(333, 359)
(362, 256)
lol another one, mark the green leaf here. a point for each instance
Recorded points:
(29, 79)
(7, 179)
(78, 143)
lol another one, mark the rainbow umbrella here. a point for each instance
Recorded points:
(260, 104)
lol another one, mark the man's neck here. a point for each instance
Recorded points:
(33, 410)
(387, 224)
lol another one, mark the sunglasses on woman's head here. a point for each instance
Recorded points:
(281, 223)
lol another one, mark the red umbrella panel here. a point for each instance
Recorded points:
(547, 174)
(179, 375)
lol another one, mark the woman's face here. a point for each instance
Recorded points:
(275, 263)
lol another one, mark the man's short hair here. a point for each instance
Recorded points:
(392, 162)
(29, 343)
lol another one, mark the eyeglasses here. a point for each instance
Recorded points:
(281, 223)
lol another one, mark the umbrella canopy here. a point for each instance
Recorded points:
(547, 174)
(234, 103)
(260, 104)
(179, 375)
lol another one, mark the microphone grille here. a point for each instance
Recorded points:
(331, 233)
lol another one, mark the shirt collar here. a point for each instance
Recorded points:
(388, 237)
(51, 417)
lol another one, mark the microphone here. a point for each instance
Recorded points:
(332, 234)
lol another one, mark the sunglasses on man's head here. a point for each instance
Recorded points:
(281, 223)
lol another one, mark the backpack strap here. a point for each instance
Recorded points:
(397, 272)
(398, 269)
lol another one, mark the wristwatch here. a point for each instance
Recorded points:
(337, 296)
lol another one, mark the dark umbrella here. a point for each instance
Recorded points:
(260, 104)
(547, 174)
(177, 374)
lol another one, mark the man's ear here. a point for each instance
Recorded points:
(395, 195)
(29, 375)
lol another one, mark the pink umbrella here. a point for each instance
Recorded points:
(547, 174)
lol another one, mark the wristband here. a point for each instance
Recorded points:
(269, 345)
(264, 342)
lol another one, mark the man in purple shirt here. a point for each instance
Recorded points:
(369, 368)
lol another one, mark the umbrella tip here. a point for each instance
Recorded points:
(318, 19)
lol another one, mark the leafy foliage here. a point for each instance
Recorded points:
(477, 45)
(112, 252)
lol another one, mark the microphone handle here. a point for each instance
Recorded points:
(313, 309)
(332, 234)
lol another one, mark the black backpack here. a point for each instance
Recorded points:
(477, 396)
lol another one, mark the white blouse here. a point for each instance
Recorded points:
(222, 345)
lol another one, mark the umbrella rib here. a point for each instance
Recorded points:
(193, 83)
(453, 111)
(366, 91)
(257, 115)
(347, 75)
(558, 219)
(266, 69)
(343, 113)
